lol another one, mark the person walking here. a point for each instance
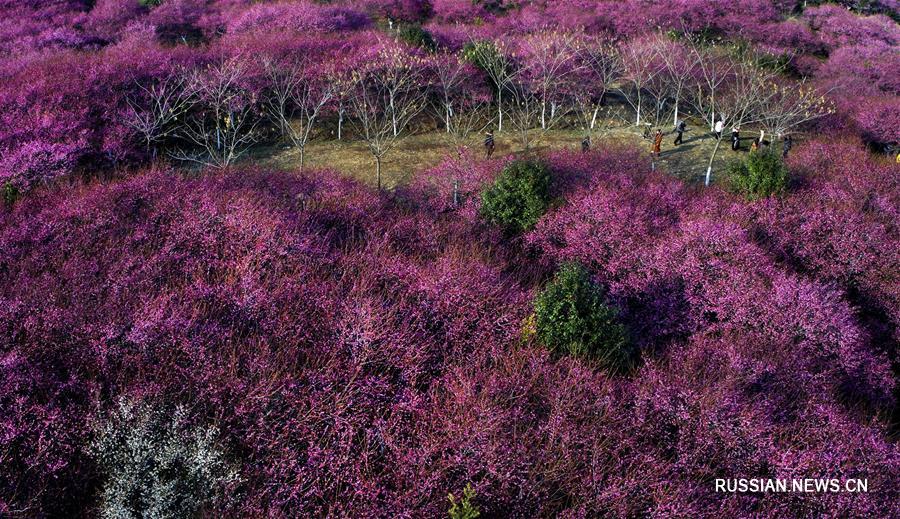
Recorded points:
(786, 146)
(488, 145)
(735, 138)
(657, 142)
(720, 125)
(679, 130)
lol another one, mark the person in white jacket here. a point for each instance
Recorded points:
(719, 127)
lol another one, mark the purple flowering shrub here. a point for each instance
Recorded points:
(841, 225)
(365, 354)
(362, 354)
(217, 268)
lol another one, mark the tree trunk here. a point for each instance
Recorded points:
(393, 117)
(638, 123)
(302, 149)
(378, 170)
(675, 118)
(543, 114)
(499, 109)
(711, 159)
(594, 117)
(340, 120)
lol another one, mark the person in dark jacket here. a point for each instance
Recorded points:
(679, 130)
(786, 146)
(586, 144)
(735, 138)
(489, 144)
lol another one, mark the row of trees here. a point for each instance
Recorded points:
(214, 114)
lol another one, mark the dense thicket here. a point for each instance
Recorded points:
(236, 341)
(363, 354)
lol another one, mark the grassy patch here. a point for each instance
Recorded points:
(425, 150)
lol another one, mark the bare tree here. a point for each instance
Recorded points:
(222, 123)
(491, 58)
(294, 102)
(542, 81)
(462, 108)
(548, 64)
(713, 68)
(640, 69)
(680, 71)
(786, 106)
(154, 111)
(601, 66)
(740, 99)
(473, 118)
(524, 111)
(384, 100)
(449, 75)
(342, 83)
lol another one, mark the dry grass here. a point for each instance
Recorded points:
(425, 150)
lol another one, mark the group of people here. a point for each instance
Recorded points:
(680, 128)
(718, 128)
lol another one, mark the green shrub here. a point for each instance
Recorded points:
(572, 317)
(10, 193)
(156, 466)
(415, 35)
(463, 508)
(519, 196)
(150, 3)
(761, 174)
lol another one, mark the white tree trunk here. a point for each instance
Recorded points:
(543, 114)
(499, 110)
(340, 121)
(711, 159)
(447, 118)
(393, 116)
